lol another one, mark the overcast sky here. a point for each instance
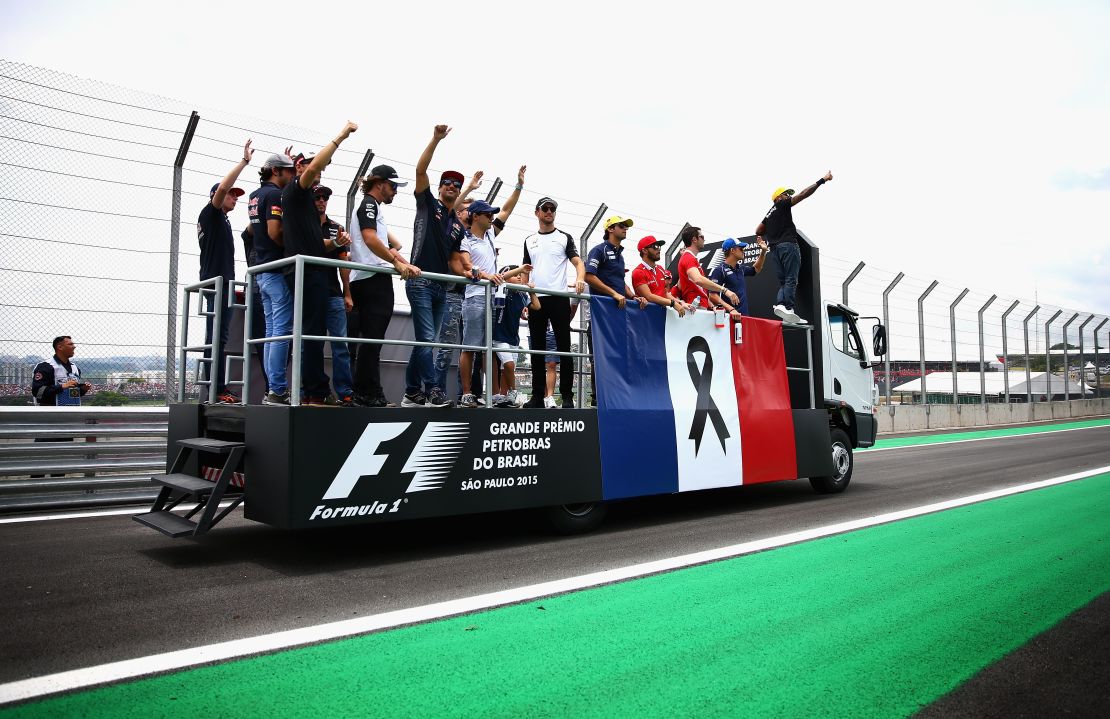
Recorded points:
(967, 139)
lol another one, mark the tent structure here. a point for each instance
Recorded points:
(968, 385)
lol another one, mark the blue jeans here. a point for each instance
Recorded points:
(340, 356)
(428, 301)
(277, 306)
(788, 257)
(450, 330)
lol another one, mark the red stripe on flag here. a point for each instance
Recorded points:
(763, 399)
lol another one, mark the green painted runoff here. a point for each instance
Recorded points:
(873, 623)
(987, 433)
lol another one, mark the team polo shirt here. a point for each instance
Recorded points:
(733, 278)
(607, 262)
(367, 216)
(483, 256)
(778, 223)
(300, 225)
(654, 277)
(217, 246)
(550, 254)
(331, 230)
(431, 235)
(506, 319)
(687, 289)
(263, 205)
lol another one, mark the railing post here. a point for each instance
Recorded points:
(1048, 356)
(217, 318)
(1082, 358)
(1005, 352)
(488, 389)
(298, 329)
(585, 310)
(921, 340)
(886, 323)
(175, 247)
(1028, 371)
(363, 167)
(952, 330)
(844, 285)
(1098, 372)
(1067, 390)
(248, 313)
(982, 363)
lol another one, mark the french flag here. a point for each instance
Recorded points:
(683, 406)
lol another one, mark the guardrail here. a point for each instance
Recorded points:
(113, 449)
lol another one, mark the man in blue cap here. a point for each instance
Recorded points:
(217, 259)
(730, 274)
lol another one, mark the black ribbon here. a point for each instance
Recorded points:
(706, 407)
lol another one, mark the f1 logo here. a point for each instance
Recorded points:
(430, 461)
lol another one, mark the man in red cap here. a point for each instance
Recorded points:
(217, 259)
(649, 280)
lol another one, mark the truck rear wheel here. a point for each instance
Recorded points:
(843, 463)
(576, 518)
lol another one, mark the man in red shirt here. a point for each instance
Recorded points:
(692, 282)
(649, 280)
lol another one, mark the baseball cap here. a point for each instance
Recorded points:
(276, 160)
(480, 206)
(301, 157)
(546, 201)
(779, 191)
(235, 191)
(729, 243)
(647, 242)
(452, 175)
(322, 190)
(618, 220)
(387, 173)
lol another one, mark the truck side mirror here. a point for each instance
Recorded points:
(878, 340)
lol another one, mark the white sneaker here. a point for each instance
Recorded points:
(796, 319)
(468, 400)
(549, 403)
(781, 311)
(512, 397)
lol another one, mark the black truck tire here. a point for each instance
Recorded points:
(569, 519)
(843, 462)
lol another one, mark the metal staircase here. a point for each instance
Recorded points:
(178, 487)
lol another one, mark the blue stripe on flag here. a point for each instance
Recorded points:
(635, 419)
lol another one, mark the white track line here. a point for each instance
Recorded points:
(171, 661)
(869, 450)
(83, 515)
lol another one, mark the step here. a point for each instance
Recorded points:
(204, 444)
(167, 523)
(185, 483)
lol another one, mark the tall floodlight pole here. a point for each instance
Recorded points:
(1067, 397)
(952, 329)
(1028, 372)
(886, 323)
(982, 361)
(1005, 352)
(1048, 356)
(844, 286)
(921, 341)
(175, 247)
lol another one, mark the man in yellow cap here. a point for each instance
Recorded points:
(780, 233)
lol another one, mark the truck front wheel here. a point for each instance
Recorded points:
(843, 463)
(576, 518)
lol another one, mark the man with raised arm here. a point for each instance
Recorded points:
(551, 252)
(303, 235)
(694, 286)
(781, 234)
(432, 244)
(217, 259)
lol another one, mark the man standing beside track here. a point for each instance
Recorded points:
(303, 235)
(782, 236)
(549, 251)
(217, 259)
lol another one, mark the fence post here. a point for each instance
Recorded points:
(1098, 373)
(1005, 353)
(886, 323)
(175, 247)
(493, 190)
(952, 330)
(1028, 371)
(1082, 357)
(844, 286)
(982, 363)
(921, 341)
(1048, 356)
(353, 190)
(1067, 391)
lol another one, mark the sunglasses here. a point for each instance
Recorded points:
(481, 214)
(456, 183)
(547, 208)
